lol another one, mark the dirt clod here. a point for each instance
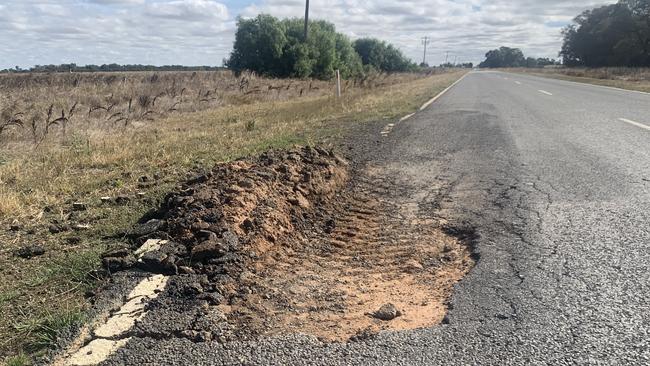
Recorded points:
(58, 228)
(15, 227)
(147, 228)
(122, 200)
(30, 251)
(79, 206)
(387, 312)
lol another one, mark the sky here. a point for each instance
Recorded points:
(201, 32)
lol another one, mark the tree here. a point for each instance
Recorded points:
(277, 48)
(504, 57)
(259, 45)
(382, 56)
(531, 62)
(610, 35)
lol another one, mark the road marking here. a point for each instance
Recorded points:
(544, 92)
(389, 127)
(149, 246)
(387, 130)
(641, 125)
(406, 117)
(547, 78)
(442, 92)
(517, 82)
(112, 334)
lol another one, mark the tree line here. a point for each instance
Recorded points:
(513, 57)
(278, 48)
(108, 68)
(610, 35)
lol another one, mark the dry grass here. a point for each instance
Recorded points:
(618, 77)
(52, 107)
(38, 184)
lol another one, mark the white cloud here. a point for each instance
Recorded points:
(188, 10)
(465, 28)
(117, 2)
(201, 31)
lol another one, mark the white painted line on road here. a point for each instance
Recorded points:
(641, 125)
(579, 83)
(544, 92)
(112, 334)
(517, 82)
(389, 127)
(442, 92)
(406, 117)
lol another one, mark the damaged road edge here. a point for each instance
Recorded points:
(111, 334)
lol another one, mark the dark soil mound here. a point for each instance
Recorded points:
(216, 222)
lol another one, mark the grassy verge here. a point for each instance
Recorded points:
(632, 79)
(43, 295)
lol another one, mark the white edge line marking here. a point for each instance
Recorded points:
(104, 339)
(442, 92)
(544, 92)
(517, 82)
(406, 117)
(389, 127)
(584, 84)
(641, 125)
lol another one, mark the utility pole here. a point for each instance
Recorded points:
(446, 57)
(425, 42)
(306, 19)
(455, 58)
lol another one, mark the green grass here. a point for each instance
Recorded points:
(8, 296)
(72, 270)
(20, 359)
(43, 330)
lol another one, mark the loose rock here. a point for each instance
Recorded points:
(387, 312)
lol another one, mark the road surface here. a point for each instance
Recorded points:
(555, 176)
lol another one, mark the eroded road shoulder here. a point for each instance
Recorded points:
(291, 242)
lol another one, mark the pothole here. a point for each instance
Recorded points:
(286, 244)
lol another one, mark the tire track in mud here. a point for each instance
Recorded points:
(380, 245)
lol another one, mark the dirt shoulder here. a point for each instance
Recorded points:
(72, 203)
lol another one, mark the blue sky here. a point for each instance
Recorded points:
(200, 32)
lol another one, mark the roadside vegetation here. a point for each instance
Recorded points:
(278, 48)
(610, 35)
(73, 184)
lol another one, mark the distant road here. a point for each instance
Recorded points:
(555, 176)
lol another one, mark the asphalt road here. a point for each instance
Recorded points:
(555, 176)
